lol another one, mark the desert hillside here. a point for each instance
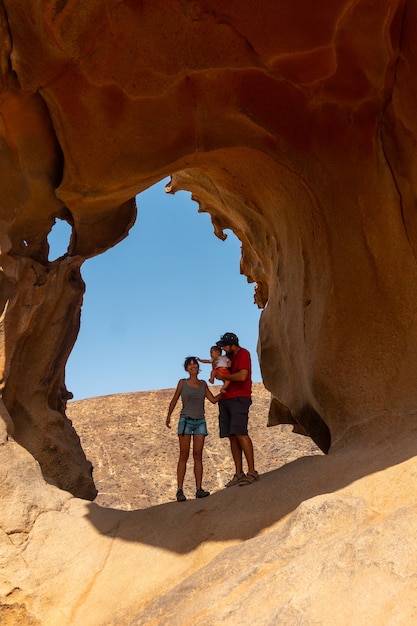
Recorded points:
(134, 454)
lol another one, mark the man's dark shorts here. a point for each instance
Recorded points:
(233, 416)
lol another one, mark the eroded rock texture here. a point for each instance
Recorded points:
(293, 124)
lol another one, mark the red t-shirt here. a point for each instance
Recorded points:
(240, 388)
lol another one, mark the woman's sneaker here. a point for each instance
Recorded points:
(180, 495)
(200, 493)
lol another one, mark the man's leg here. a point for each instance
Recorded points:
(245, 444)
(236, 453)
(236, 450)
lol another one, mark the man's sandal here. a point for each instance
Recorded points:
(250, 478)
(236, 479)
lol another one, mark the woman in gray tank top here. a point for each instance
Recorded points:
(191, 425)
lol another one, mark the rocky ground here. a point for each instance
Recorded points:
(320, 539)
(135, 455)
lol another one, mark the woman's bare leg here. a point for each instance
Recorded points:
(198, 445)
(184, 441)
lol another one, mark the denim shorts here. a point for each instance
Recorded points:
(189, 426)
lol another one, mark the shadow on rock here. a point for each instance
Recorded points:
(240, 513)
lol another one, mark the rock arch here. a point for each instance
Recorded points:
(293, 126)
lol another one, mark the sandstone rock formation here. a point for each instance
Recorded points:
(293, 124)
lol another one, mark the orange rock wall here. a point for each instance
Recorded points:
(293, 124)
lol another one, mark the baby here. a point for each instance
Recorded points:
(219, 363)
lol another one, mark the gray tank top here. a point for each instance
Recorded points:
(193, 400)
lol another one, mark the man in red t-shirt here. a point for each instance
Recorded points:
(234, 409)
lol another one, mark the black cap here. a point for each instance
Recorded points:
(228, 339)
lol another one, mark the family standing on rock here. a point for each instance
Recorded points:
(234, 401)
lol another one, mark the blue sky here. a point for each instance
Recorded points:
(168, 291)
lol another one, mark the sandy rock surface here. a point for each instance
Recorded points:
(319, 539)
